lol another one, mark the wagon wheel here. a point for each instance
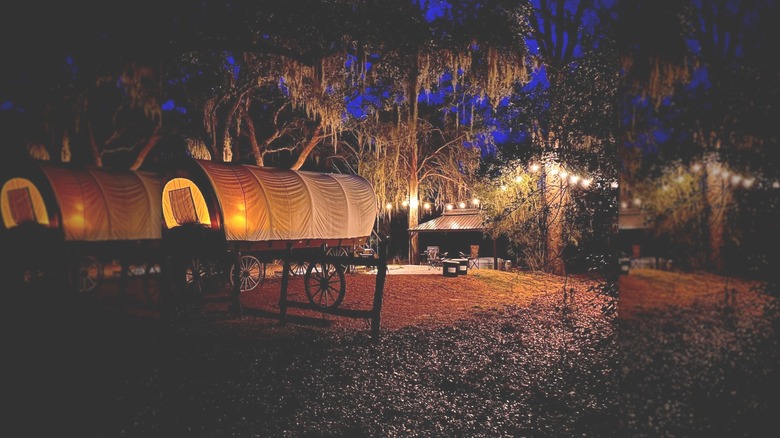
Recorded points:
(340, 251)
(197, 275)
(298, 267)
(151, 283)
(252, 273)
(90, 272)
(325, 285)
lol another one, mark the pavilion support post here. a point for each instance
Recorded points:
(381, 274)
(495, 255)
(285, 281)
(235, 302)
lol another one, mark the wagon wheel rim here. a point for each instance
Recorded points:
(252, 273)
(340, 251)
(195, 275)
(88, 274)
(298, 268)
(324, 285)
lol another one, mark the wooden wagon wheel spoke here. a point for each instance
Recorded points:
(196, 275)
(252, 273)
(324, 285)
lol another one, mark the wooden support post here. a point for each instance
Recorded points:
(285, 280)
(381, 274)
(235, 303)
(123, 276)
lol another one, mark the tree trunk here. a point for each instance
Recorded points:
(97, 159)
(153, 139)
(250, 126)
(716, 197)
(315, 139)
(556, 199)
(414, 209)
(414, 176)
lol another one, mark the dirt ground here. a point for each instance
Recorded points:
(646, 290)
(426, 298)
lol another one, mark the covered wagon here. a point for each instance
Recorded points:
(68, 220)
(256, 214)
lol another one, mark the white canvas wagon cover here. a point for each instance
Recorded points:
(92, 204)
(264, 204)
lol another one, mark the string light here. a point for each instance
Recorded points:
(462, 205)
(614, 184)
(449, 206)
(776, 185)
(586, 182)
(405, 203)
(748, 182)
(623, 205)
(503, 187)
(735, 179)
(475, 201)
(389, 206)
(518, 179)
(534, 167)
(696, 167)
(574, 179)
(554, 171)
(563, 174)
(427, 206)
(637, 202)
(680, 178)
(414, 202)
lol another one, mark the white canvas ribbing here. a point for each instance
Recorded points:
(262, 204)
(99, 205)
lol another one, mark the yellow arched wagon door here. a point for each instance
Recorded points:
(22, 203)
(183, 203)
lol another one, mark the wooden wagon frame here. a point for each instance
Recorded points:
(250, 216)
(64, 222)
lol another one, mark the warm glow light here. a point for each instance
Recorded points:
(241, 207)
(586, 182)
(475, 201)
(503, 188)
(735, 179)
(534, 167)
(518, 179)
(637, 202)
(414, 202)
(776, 185)
(696, 167)
(405, 203)
(427, 206)
(614, 184)
(664, 187)
(449, 206)
(554, 171)
(715, 171)
(79, 206)
(564, 174)
(574, 179)
(748, 182)
(623, 205)
(680, 179)
(462, 205)
(389, 206)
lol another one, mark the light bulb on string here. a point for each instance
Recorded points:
(389, 206)
(405, 203)
(462, 205)
(614, 184)
(586, 182)
(427, 206)
(776, 185)
(503, 188)
(449, 207)
(534, 167)
(414, 202)
(696, 167)
(518, 179)
(574, 179)
(475, 201)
